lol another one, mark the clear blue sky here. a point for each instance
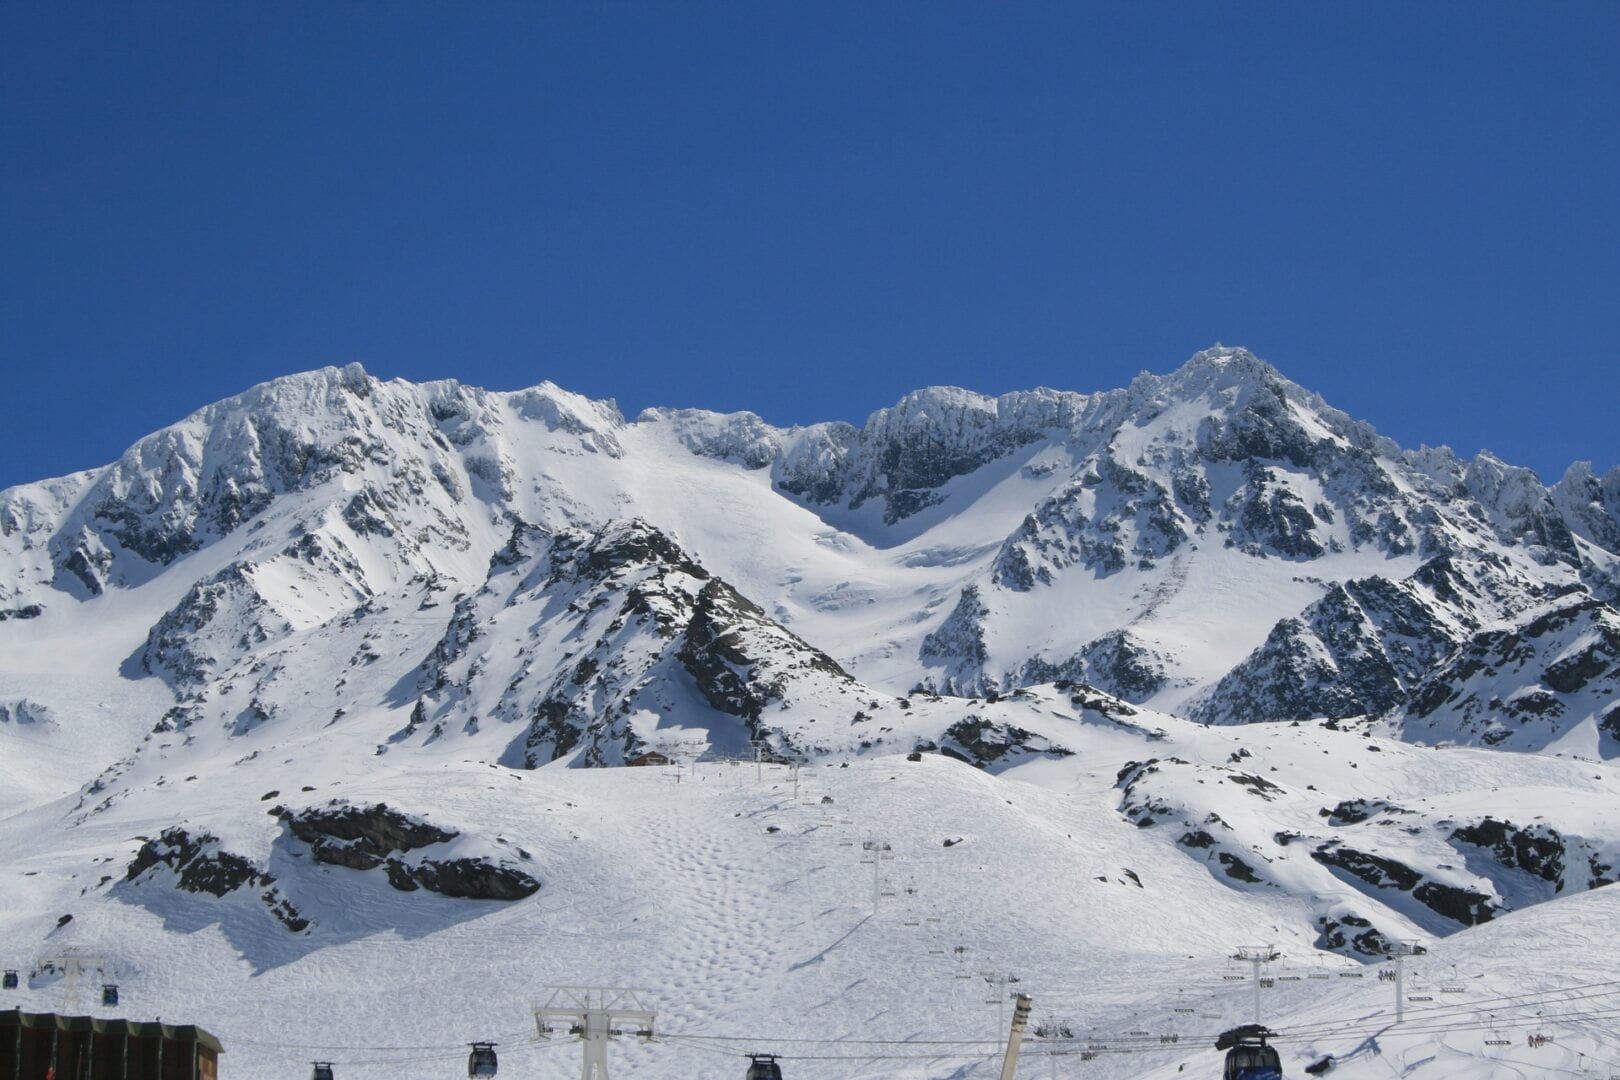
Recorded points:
(807, 209)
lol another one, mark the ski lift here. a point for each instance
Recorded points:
(763, 1067)
(109, 994)
(1496, 1038)
(481, 1062)
(1248, 1056)
(322, 1070)
(10, 979)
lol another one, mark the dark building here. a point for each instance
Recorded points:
(34, 1046)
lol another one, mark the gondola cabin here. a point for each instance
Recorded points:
(1253, 1063)
(481, 1062)
(34, 1045)
(322, 1071)
(1248, 1055)
(763, 1067)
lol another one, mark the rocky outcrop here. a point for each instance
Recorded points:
(369, 836)
(360, 837)
(985, 743)
(463, 879)
(199, 864)
(1527, 685)
(1118, 664)
(1537, 850)
(646, 625)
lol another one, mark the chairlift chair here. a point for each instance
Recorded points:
(481, 1062)
(322, 1070)
(763, 1067)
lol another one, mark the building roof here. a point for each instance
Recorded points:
(10, 1018)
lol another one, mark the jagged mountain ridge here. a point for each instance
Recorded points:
(954, 543)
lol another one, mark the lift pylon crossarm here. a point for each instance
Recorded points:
(596, 1014)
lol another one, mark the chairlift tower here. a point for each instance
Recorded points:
(1254, 956)
(73, 966)
(1398, 951)
(1015, 1038)
(1000, 981)
(876, 852)
(595, 1014)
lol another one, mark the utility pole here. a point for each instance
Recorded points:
(1255, 955)
(999, 981)
(595, 1014)
(876, 852)
(1015, 1038)
(1399, 951)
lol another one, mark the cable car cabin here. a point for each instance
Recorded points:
(763, 1067)
(1248, 1057)
(1251, 1062)
(481, 1062)
(323, 1071)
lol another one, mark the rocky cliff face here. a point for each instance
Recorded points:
(623, 634)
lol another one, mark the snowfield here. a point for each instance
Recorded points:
(314, 710)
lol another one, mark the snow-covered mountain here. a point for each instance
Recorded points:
(254, 677)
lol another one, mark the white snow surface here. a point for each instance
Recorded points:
(242, 613)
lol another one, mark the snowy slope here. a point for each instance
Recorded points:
(296, 701)
(746, 912)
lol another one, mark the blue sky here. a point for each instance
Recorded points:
(808, 209)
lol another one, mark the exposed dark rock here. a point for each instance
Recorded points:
(1459, 905)
(1256, 785)
(198, 861)
(1375, 870)
(959, 641)
(466, 879)
(361, 837)
(1537, 850)
(1355, 811)
(982, 742)
(1237, 869)
(1352, 931)
(1116, 663)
